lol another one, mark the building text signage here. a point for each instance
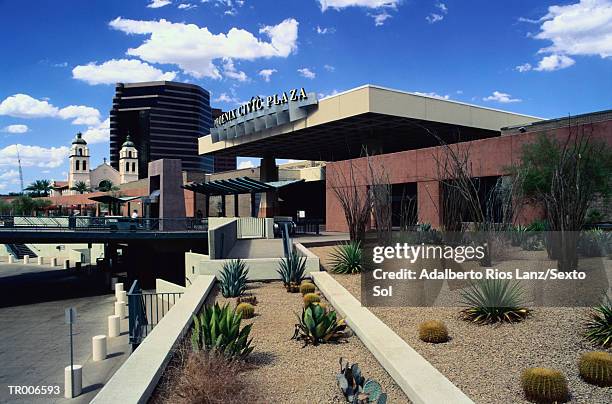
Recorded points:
(258, 103)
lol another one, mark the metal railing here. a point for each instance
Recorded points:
(308, 226)
(145, 310)
(102, 223)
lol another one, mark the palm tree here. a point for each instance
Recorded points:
(80, 187)
(39, 188)
(107, 186)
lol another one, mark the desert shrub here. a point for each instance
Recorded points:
(307, 287)
(202, 377)
(218, 328)
(593, 243)
(598, 327)
(433, 331)
(538, 225)
(233, 278)
(596, 368)
(517, 235)
(425, 233)
(356, 388)
(347, 258)
(311, 298)
(291, 271)
(543, 385)
(594, 216)
(493, 300)
(246, 310)
(317, 325)
(533, 242)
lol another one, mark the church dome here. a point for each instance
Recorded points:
(128, 142)
(79, 139)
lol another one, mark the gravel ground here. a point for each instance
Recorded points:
(284, 372)
(486, 361)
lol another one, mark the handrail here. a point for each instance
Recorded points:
(103, 223)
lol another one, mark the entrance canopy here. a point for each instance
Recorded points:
(236, 186)
(380, 119)
(109, 199)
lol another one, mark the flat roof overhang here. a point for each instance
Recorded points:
(383, 120)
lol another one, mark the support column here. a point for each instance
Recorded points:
(253, 207)
(428, 203)
(236, 213)
(268, 172)
(223, 213)
(206, 205)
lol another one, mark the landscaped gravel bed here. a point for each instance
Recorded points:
(286, 372)
(486, 362)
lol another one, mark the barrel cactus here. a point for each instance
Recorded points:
(433, 331)
(246, 309)
(544, 385)
(307, 287)
(311, 298)
(247, 299)
(596, 368)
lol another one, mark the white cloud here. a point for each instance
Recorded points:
(186, 6)
(579, 29)
(380, 18)
(525, 67)
(325, 30)
(227, 98)
(340, 4)
(16, 129)
(159, 3)
(324, 95)
(329, 68)
(246, 164)
(229, 70)
(306, 72)
(24, 106)
(554, 62)
(266, 73)
(99, 133)
(194, 49)
(119, 70)
(34, 156)
(504, 98)
(434, 95)
(9, 175)
(438, 16)
(81, 114)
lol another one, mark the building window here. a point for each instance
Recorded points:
(133, 167)
(127, 167)
(130, 154)
(77, 165)
(80, 151)
(84, 165)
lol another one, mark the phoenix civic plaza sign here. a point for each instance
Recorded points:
(262, 113)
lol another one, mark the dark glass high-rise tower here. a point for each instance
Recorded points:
(164, 120)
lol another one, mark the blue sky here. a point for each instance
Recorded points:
(59, 59)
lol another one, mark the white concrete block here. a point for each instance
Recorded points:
(26, 259)
(99, 350)
(53, 261)
(118, 288)
(114, 326)
(11, 259)
(75, 380)
(40, 260)
(122, 296)
(120, 309)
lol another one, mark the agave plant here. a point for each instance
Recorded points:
(218, 328)
(356, 388)
(598, 328)
(347, 258)
(493, 300)
(316, 325)
(291, 271)
(233, 278)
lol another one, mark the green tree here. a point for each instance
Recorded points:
(80, 187)
(22, 205)
(39, 188)
(107, 186)
(5, 207)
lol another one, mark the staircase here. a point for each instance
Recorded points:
(19, 250)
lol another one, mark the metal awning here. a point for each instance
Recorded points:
(113, 199)
(235, 186)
